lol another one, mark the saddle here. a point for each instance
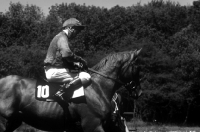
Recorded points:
(45, 91)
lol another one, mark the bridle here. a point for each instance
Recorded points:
(130, 86)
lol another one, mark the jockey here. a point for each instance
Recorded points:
(60, 63)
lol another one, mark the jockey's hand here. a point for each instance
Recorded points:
(78, 65)
(84, 63)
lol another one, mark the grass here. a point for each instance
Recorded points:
(138, 124)
(141, 126)
(165, 128)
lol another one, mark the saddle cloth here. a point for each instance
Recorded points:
(45, 91)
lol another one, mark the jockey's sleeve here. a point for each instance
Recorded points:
(67, 54)
(63, 45)
(73, 58)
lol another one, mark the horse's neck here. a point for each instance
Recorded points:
(107, 84)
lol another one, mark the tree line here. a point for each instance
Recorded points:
(167, 32)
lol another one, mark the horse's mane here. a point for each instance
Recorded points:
(114, 59)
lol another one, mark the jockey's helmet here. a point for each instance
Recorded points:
(73, 22)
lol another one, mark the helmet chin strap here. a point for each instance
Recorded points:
(66, 31)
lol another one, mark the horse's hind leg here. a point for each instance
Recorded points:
(13, 123)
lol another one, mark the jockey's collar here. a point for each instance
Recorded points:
(66, 31)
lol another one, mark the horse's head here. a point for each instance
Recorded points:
(122, 68)
(130, 74)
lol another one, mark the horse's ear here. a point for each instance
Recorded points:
(138, 51)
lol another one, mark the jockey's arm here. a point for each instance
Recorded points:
(67, 54)
(73, 58)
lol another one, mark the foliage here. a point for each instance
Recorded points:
(167, 32)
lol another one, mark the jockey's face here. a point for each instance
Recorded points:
(73, 32)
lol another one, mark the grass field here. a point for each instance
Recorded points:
(140, 126)
(165, 129)
(144, 127)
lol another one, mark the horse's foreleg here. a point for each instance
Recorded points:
(99, 129)
(92, 125)
(13, 123)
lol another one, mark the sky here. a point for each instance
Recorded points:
(45, 4)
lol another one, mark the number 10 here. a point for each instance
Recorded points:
(43, 91)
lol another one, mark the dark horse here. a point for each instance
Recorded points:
(18, 103)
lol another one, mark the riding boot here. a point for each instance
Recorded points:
(74, 84)
(69, 89)
(60, 93)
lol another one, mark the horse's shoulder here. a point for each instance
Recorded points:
(10, 77)
(16, 78)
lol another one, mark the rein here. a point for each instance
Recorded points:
(129, 86)
(106, 76)
(117, 80)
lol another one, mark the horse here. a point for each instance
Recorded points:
(18, 103)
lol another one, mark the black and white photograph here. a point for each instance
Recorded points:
(100, 66)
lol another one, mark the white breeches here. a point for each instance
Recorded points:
(63, 75)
